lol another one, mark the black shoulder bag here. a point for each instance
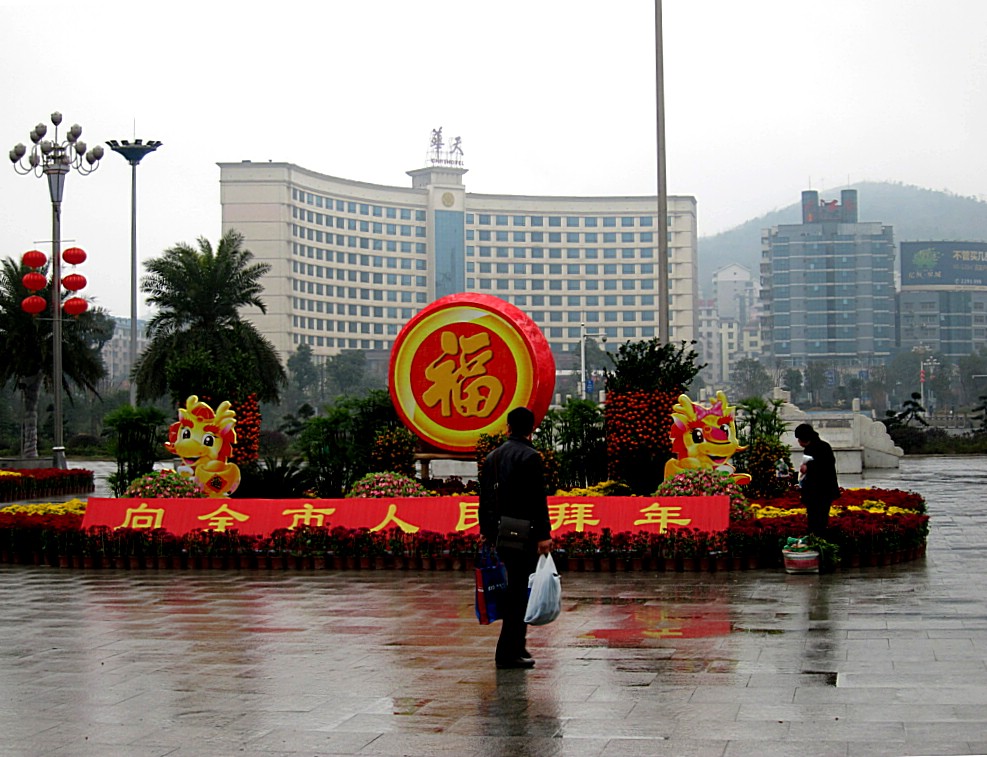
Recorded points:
(512, 533)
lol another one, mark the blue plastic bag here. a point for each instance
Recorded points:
(544, 593)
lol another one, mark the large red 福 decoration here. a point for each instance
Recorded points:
(462, 363)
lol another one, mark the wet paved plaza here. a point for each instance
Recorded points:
(880, 661)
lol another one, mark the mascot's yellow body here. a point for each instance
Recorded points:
(704, 437)
(204, 439)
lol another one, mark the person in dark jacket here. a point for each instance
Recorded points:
(512, 483)
(817, 478)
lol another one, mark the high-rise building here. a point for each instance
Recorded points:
(116, 352)
(943, 300)
(828, 286)
(351, 262)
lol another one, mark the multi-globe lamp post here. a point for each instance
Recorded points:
(133, 152)
(54, 158)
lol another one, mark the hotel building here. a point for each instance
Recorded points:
(352, 262)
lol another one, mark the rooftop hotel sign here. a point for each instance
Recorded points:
(462, 363)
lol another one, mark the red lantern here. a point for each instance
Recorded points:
(74, 282)
(74, 256)
(75, 306)
(34, 259)
(34, 281)
(33, 304)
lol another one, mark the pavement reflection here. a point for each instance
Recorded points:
(876, 661)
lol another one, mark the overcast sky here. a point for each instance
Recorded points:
(763, 100)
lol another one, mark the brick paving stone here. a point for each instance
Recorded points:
(880, 661)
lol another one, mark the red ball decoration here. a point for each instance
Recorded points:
(34, 259)
(33, 304)
(34, 281)
(74, 256)
(75, 306)
(74, 282)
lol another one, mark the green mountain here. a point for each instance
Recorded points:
(916, 214)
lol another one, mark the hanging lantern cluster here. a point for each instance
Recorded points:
(74, 282)
(35, 281)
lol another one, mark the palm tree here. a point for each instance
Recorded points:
(198, 342)
(26, 341)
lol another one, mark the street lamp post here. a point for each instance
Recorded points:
(583, 334)
(133, 153)
(930, 363)
(54, 158)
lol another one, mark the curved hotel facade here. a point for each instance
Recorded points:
(351, 262)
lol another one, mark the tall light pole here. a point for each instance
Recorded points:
(664, 330)
(54, 158)
(133, 153)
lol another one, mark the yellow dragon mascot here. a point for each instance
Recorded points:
(704, 437)
(204, 439)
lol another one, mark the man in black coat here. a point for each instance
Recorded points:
(817, 478)
(512, 483)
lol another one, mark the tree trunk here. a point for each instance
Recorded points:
(29, 424)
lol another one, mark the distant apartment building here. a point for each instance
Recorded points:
(827, 286)
(942, 304)
(351, 262)
(730, 323)
(116, 352)
(734, 291)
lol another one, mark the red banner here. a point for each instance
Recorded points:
(438, 514)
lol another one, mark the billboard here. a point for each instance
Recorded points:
(947, 264)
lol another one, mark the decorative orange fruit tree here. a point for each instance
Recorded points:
(642, 389)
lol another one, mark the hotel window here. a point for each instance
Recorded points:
(519, 220)
(554, 221)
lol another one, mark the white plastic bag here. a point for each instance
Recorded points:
(544, 593)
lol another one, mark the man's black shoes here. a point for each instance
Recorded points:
(516, 663)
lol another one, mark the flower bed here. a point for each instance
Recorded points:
(870, 527)
(38, 483)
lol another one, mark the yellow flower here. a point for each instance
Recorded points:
(72, 507)
(9, 473)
